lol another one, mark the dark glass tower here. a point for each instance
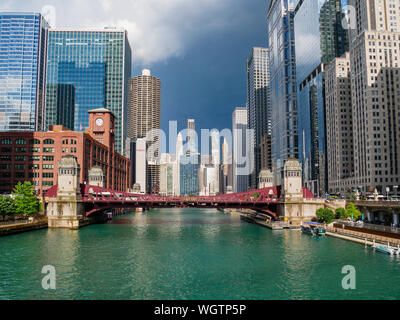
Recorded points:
(284, 114)
(95, 65)
(320, 38)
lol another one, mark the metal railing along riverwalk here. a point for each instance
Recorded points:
(16, 222)
(367, 237)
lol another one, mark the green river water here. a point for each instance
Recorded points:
(190, 254)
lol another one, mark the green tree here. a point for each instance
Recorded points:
(352, 212)
(256, 195)
(325, 215)
(26, 202)
(340, 213)
(24, 189)
(7, 206)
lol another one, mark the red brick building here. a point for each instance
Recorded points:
(34, 156)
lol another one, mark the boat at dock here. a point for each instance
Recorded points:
(313, 229)
(247, 217)
(386, 249)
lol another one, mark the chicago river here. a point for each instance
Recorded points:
(190, 254)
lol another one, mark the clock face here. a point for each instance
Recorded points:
(99, 122)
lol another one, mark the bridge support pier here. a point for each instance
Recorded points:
(67, 210)
(65, 213)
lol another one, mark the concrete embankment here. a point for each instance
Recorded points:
(20, 228)
(362, 238)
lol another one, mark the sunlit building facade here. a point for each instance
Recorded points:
(23, 43)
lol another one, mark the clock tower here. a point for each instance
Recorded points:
(102, 126)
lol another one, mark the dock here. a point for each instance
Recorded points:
(262, 220)
(363, 238)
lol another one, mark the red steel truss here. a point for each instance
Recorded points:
(99, 199)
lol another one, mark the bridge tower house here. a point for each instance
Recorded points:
(292, 180)
(96, 177)
(67, 209)
(292, 206)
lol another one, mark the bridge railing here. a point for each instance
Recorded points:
(371, 226)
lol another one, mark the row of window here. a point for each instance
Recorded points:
(22, 166)
(23, 150)
(23, 158)
(8, 141)
(7, 183)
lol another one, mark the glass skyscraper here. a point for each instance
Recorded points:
(88, 70)
(319, 39)
(284, 114)
(189, 174)
(22, 70)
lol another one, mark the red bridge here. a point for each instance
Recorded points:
(97, 199)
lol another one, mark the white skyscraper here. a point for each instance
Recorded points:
(179, 154)
(239, 152)
(141, 164)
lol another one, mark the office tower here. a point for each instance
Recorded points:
(282, 64)
(226, 179)
(192, 143)
(130, 152)
(189, 174)
(23, 44)
(318, 37)
(374, 62)
(210, 180)
(339, 124)
(259, 117)
(265, 148)
(168, 177)
(334, 38)
(141, 164)
(205, 161)
(240, 150)
(144, 115)
(88, 69)
(179, 154)
(215, 158)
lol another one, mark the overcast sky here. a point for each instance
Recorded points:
(198, 48)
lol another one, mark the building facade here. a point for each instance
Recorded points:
(168, 174)
(320, 37)
(87, 69)
(265, 148)
(374, 63)
(339, 125)
(282, 64)
(258, 105)
(240, 151)
(23, 45)
(33, 156)
(144, 115)
(226, 178)
(189, 174)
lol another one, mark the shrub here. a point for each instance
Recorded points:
(325, 215)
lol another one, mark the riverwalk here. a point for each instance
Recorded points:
(22, 226)
(367, 239)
